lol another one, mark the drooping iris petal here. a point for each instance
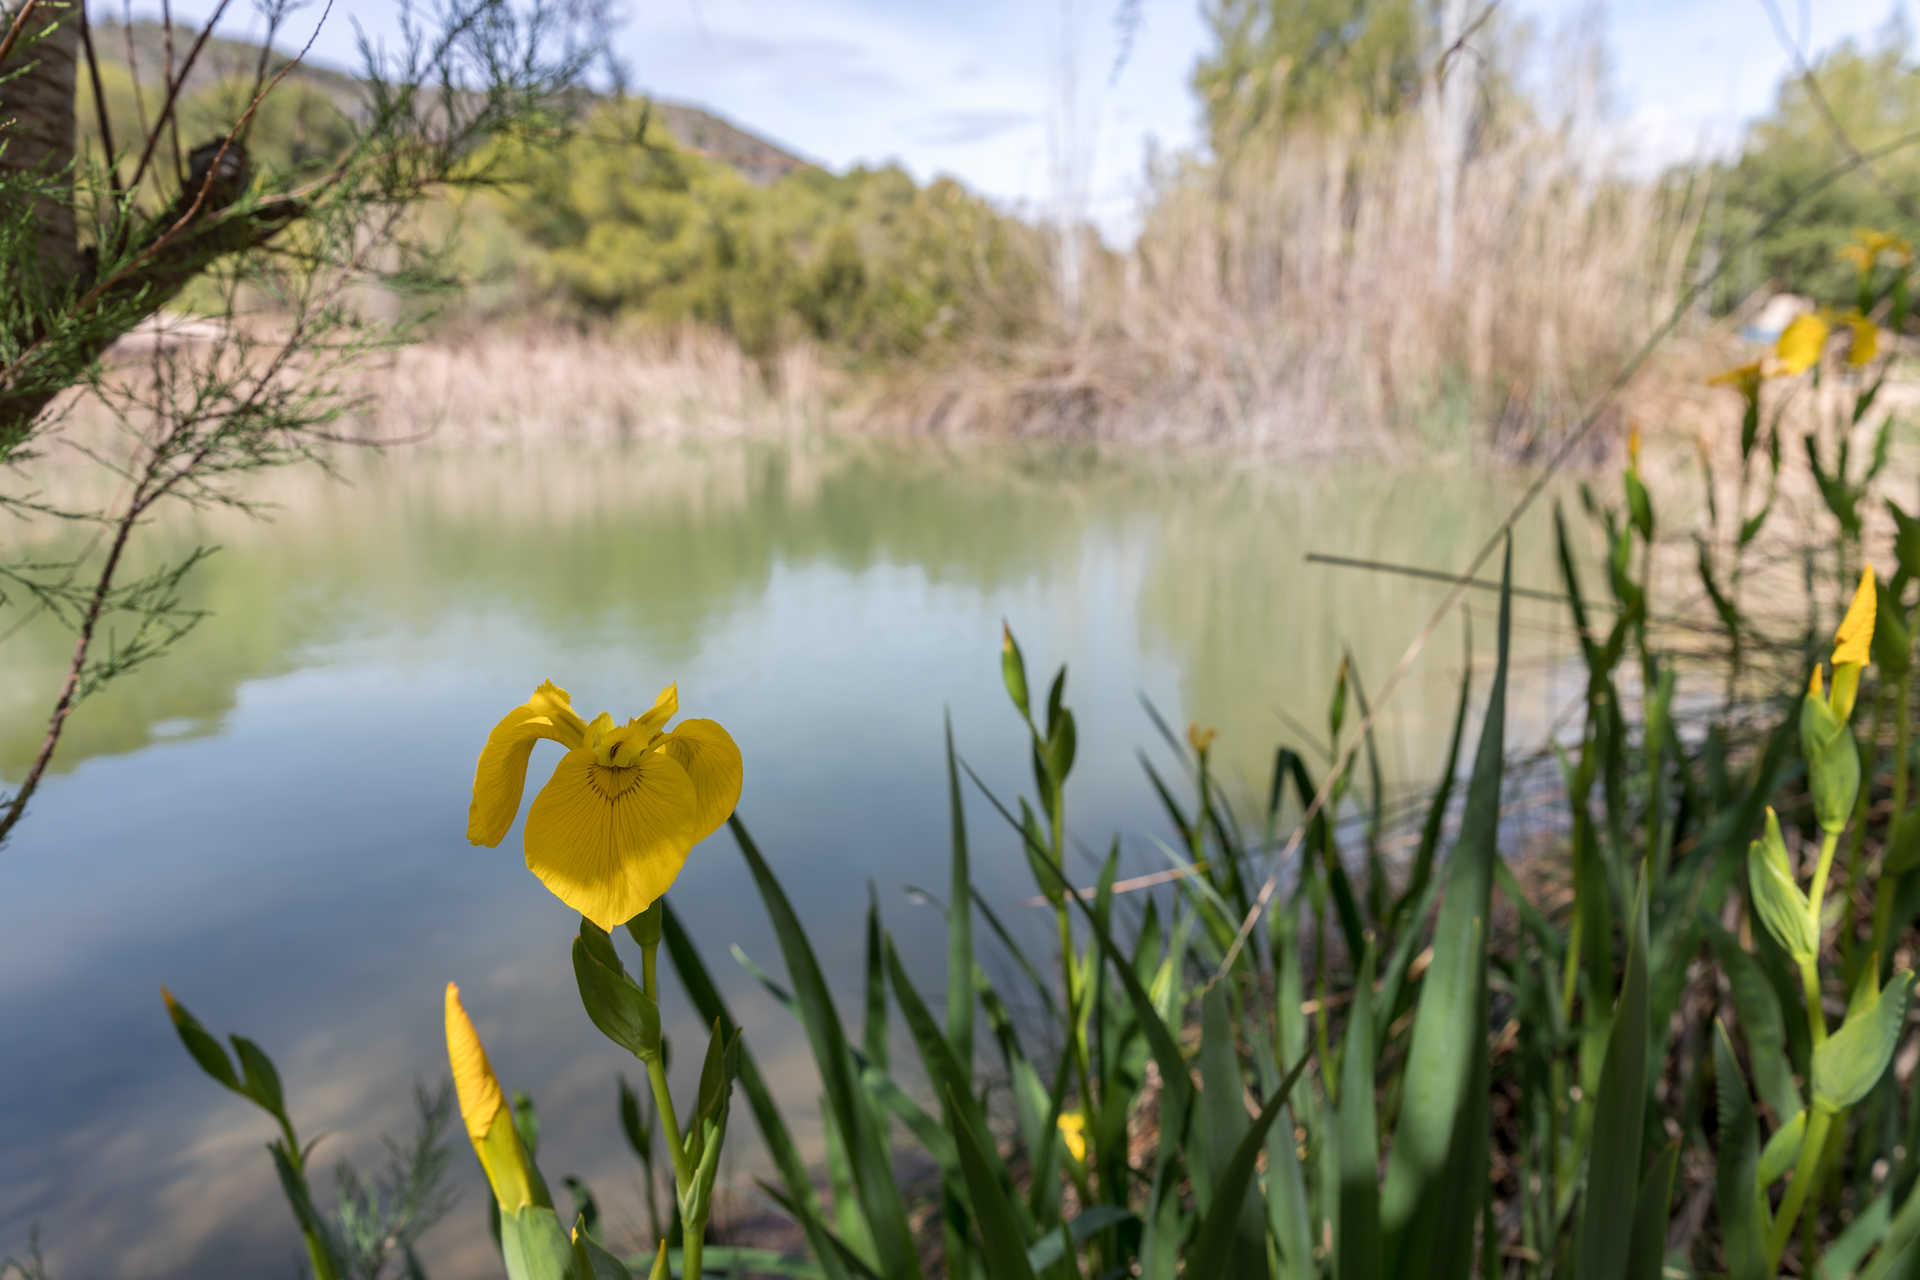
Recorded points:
(501, 775)
(608, 841)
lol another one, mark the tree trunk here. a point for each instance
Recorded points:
(37, 107)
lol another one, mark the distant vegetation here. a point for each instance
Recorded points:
(1337, 267)
(624, 221)
(1873, 93)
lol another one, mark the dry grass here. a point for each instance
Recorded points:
(1297, 299)
(597, 385)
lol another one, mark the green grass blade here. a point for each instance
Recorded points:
(1646, 1250)
(960, 965)
(1222, 1119)
(1002, 1241)
(1761, 1025)
(1222, 1235)
(1744, 1220)
(873, 1033)
(1359, 1138)
(1619, 1120)
(1436, 1172)
(880, 1197)
(1420, 873)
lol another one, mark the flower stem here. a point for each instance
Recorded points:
(1818, 1124)
(693, 1234)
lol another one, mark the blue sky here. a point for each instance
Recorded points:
(975, 89)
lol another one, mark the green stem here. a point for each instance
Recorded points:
(1828, 843)
(1816, 1013)
(693, 1234)
(1818, 1124)
(1883, 890)
(317, 1255)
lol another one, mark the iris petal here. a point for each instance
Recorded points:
(608, 841)
(709, 755)
(501, 775)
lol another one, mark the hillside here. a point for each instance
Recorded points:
(143, 45)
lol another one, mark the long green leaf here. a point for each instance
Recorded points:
(1001, 1239)
(880, 1197)
(960, 965)
(1647, 1247)
(1744, 1220)
(1360, 1257)
(1853, 1058)
(1220, 1235)
(800, 1195)
(1436, 1172)
(1619, 1119)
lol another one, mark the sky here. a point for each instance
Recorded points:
(1025, 100)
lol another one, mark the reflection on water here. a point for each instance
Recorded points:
(271, 819)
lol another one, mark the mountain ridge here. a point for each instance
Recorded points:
(142, 46)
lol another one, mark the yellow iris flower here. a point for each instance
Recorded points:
(1880, 242)
(1800, 344)
(1198, 738)
(610, 831)
(1073, 1132)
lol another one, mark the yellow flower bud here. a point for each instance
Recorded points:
(484, 1108)
(1853, 642)
(1199, 739)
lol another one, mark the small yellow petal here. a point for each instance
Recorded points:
(1073, 1132)
(1866, 339)
(608, 841)
(1633, 446)
(478, 1089)
(712, 761)
(665, 707)
(1198, 738)
(1853, 642)
(1744, 377)
(1858, 256)
(1814, 688)
(501, 774)
(1801, 343)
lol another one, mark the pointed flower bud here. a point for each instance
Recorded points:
(484, 1108)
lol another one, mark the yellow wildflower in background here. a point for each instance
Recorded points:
(1880, 242)
(1744, 378)
(612, 828)
(484, 1108)
(1073, 1132)
(1633, 446)
(1801, 342)
(1199, 739)
(1866, 338)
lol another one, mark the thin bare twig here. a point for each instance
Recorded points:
(169, 107)
(17, 27)
(100, 111)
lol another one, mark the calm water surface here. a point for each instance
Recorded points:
(271, 820)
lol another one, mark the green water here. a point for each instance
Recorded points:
(270, 819)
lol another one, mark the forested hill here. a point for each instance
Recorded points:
(144, 45)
